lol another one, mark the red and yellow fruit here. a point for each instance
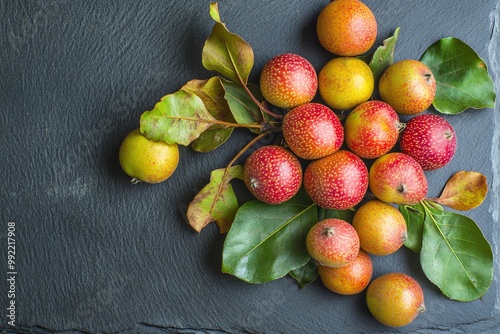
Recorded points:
(272, 174)
(408, 86)
(398, 178)
(395, 299)
(288, 80)
(372, 129)
(332, 242)
(346, 27)
(429, 139)
(380, 226)
(312, 131)
(349, 279)
(338, 181)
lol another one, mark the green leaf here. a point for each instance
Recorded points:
(462, 79)
(384, 55)
(305, 274)
(227, 53)
(346, 215)
(414, 216)
(243, 108)
(267, 241)
(455, 255)
(211, 92)
(177, 118)
(216, 201)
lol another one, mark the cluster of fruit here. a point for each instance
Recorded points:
(336, 160)
(337, 178)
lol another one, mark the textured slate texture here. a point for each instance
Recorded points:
(97, 254)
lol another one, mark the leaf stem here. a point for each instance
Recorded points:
(216, 122)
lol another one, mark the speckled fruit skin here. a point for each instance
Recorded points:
(332, 242)
(381, 228)
(272, 174)
(372, 129)
(288, 80)
(395, 299)
(408, 86)
(349, 279)
(398, 178)
(346, 27)
(312, 131)
(338, 181)
(430, 140)
(345, 82)
(146, 160)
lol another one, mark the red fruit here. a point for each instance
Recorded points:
(272, 174)
(332, 242)
(312, 131)
(349, 279)
(372, 129)
(430, 140)
(288, 80)
(338, 181)
(398, 178)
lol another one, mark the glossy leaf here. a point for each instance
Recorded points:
(216, 201)
(227, 53)
(177, 118)
(346, 215)
(267, 241)
(464, 191)
(305, 274)
(211, 92)
(384, 55)
(414, 216)
(462, 79)
(455, 255)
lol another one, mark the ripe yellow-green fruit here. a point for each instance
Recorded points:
(146, 160)
(408, 86)
(345, 82)
(346, 27)
(381, 227)
(395, 299)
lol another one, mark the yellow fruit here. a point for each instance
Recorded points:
(395, 299)
(408, 86)
(349, 279)
(146, 160)
(346, 27)
(345, 82)
(381, 227)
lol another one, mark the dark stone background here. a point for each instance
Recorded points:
(97, 254)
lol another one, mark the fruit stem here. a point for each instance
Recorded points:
(257, 102)
(247, 146)
(400, 126)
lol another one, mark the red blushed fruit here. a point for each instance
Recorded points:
(312, 131)
(349, 279)
(395, 299)
(272, 174)
(372, 129)
(332, 242)
(288, 80)
(338, 181)
(398, 178)
(430, 140)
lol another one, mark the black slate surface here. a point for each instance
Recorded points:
(96, 254)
